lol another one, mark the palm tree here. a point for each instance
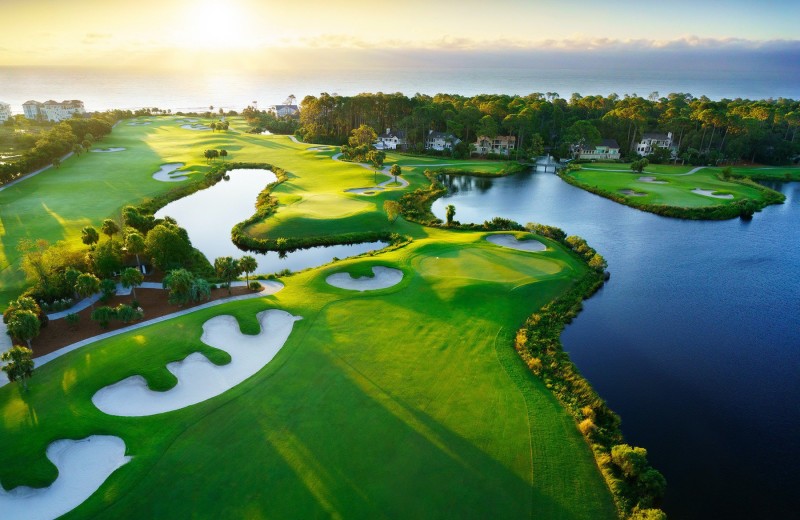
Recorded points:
(227, 268)
(248, 264)
(86, 285)
(134, 243)
(109, 228)
(89, 236)
(132, 278)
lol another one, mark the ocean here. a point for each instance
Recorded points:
(229, 89)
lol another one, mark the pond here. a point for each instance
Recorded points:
(695, 340)
(208, 216)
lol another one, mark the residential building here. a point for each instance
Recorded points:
(440, 141)
(5, 112)
(284, 110)
(651, 140)
(607, 149)
(391, 140)
(501, 144)
(53, 110)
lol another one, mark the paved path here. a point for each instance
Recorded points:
(32, 174)
(270, 287)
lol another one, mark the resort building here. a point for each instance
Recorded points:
(608, 149)
(391, 140)
(440, 141)
(501, 144)
(5, 112)
(650, 141)
(283, 110)
(53, 110)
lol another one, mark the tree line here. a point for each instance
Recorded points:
(705, 131)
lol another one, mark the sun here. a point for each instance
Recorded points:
(214, 24)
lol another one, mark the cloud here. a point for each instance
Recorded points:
(94, 38)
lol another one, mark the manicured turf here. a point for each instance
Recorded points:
(676, 190)
(407, 402)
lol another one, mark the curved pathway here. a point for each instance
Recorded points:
(270, 287)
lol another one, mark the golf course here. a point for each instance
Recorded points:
(391, 388)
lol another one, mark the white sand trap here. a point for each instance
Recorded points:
(107, 150)
(163, 174)
(510, 241)
(365, 191)
(710, 193)
(319, 149)
(632, 193)
(82, 465)
(196, 127)
(198, 378)
(139, 123)
(384, 277)
(651, 180)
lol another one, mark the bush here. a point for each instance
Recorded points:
(255, 286)
(72, 320)
(103, 315)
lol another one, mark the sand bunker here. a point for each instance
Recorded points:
(139, 123)
(196, 127)
(82, 465)
(163, 174)
(365, 191)
(651, 180)
(198, 378)
(510, 241)
(107, 150)
(710, 193)
(319, 149)
(384, 277)
(632, 193)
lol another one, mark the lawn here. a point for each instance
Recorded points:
(407, 402)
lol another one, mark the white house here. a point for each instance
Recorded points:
(5, 112)
(391, 140)
(501, 144)
(440, 141)
(53, 110)
(607, 149)
(651, 140)
(283, 110)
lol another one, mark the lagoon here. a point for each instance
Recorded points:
(694, 341)
(208, 216)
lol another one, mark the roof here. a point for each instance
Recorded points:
(610, 143)
(655, 136)
(441, 135)
(31, 102)
(278, 107)
(388, 135)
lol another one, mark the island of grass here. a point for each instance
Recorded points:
(676, 191)
(406, 401)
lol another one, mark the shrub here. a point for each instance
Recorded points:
(255, 286)
(103, 315)
(72, 320)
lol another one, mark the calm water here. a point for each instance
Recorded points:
(235, 89)
(695, 341)
(208, 216)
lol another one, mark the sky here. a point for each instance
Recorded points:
(337, 33)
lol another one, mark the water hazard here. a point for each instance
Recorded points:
(695, 341)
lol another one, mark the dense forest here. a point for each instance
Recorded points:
(705, 131)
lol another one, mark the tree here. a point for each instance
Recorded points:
(199, 290)
(132, 278)
(134, 243)
(396, 171)
(248, 264)
(24, 325)
(106, 259)
(210, 155)
(109, 228)
(363, 135)
(376, 158)
(179, 283)
(639, 165)
(109, 288)
(23, 303)
(227, 268)
(72, 320)
(86, 285)
(213, 127)
(392, 209)
(19, 365)
(168, 246)
(223, 153)
(450, 213)
(89, 236)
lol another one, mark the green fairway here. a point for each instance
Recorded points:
(407, 402)
(672, 190)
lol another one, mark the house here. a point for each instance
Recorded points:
(501, 144)
(53, 110)
(440, 141)
(651, 140)
(607, 149)
(391, 140)
(5, 112)
(284, 110)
